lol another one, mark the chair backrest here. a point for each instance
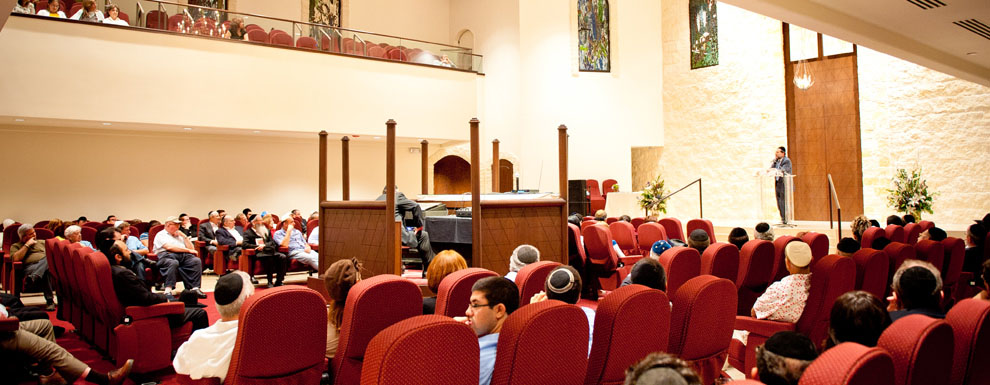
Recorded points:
(912, 231)
(75, 7)
(871, 271)
(830, 278)
(587, 223)
(955, 254)
(41, 224)
(818, 243)
(454, 292)
(281, 336)
(870, 235)
(575, 247)
(672, 227)
(636, 222)
(542, 343)
(257, 35)
(593, 189)
(607, 186)
(152, 232)
(142, 226)
(625, 235)
(611, 220)
(425, 349)
(312, 224)
(532, 278)
(755, 267)
(921, 348)
(279, 37)
(598, 246)
(89, 234)
(898, 253)
(702, 224)
(721, 260)
(395, 53)
(156, 20)
(43, 234)
(931, 251)
(630, 323)
(365, 315)
(779, 268)
(970, 322)
(647, 234)
(681, 264)
(850, 363)
(10, 236)
(701, 323)
(251, 27)
(376, 51)
(179, 23)
(895, 233)
(925, 225)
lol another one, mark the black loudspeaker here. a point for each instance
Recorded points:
(577, 197)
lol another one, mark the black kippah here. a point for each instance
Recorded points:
(848, 245)
(228, 288)
(791, 345)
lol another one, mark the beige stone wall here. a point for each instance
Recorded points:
(463, 151)
(645, 166)
(914, 116)
(721, 123)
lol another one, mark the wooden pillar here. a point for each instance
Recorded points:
(345, 171)
(425, 153)
(391, 231)
(562, 175)
(476, 257)
(495, 160)
(322, 178)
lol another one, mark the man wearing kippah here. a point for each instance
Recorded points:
(521, 256)
(784, 300)
(847, 247)
(783, 358)
(207, 352)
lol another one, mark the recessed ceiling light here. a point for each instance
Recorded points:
(256, 132)
(106, 123)
(18, 120)
(378, 137)
(187, 128)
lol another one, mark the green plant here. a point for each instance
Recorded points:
(910, 193)
(653, 199)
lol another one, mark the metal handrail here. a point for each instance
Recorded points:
(363, 44)
(140, 15)
(701, 212)
(833, 196)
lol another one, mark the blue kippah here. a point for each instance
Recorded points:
(660, 246)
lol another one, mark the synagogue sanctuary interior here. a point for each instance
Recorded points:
(575, 191)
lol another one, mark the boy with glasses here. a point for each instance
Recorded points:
(492, 300)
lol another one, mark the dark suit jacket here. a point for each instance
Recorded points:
(224, 237)
(405, 205)
(250, 241)
(130, 290)
(206, 233)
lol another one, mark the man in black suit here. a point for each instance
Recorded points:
(229, 236)
(975, 241)
(131, 290)
(259, 237)
(208, 232)
(419, 240)
(782, 164)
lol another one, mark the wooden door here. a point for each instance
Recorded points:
(506, 181)
(451, 175)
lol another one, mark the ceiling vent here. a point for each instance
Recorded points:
(927, 4)
(975, 26)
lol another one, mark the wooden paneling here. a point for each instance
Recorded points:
(354, 229)
(451, 175)
(508, 224)
(505, 179)
(823, 138)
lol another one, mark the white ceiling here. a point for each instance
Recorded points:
(896, 27)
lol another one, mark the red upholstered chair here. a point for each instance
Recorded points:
(156, 20)
(898, 253)
(250, 27)
(607, 186)
(648, 234)
(850, 363)
(680, 264)
(970, 322)
(41, 224)
(364, 317)
(625, 235)
(925, 225)
(702, 224)
(89, 234)
(830, 278)
(531, 279)
(376, 51)
(454, 292)
(871, 271)
(610, 220)
(630, 323)
(9, 238)
(278, 37)
(180, 23)
(95, 225)
(542, 343)
(575, 249)
(870, 235)
(53, 258)
(955, 254)
(586, 223)
(701, 324)
(636, 222)
(142, 227)
(921, 348)
(83, 275)
(779, 244)
(595, 196)
(672, 227)
(75, 316)
(274, 347)
(152, 232)
(313, 223)
(394, 53)
(755, 267)
(602, 261)
(895, 233)
(721, 260)
(102, 319)
(912, 231)
(75, 7)
(426, 349)
(588, 218)
(818, 243)
(931, 251)
(258, 36)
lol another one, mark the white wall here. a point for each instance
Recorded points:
(65, 173)
(420, 19)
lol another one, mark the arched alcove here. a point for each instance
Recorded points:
(506, 181)
(451, 175)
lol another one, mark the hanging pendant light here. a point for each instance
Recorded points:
(803, 77)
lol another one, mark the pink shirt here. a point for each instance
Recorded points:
(784, 300)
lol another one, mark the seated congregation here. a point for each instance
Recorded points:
(635, 305)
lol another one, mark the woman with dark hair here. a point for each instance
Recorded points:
(113, 16)
(857, 316)
(89, 13)
(52, 10)
(236, 30)
(24, 6)
(339, 278)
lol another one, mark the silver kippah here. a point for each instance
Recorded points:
(560, 281)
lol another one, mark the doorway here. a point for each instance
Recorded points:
(451, 175)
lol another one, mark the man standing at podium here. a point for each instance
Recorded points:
(782, 164)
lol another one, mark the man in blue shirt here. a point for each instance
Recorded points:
(138, 249)
(492, 300)
(298, 248)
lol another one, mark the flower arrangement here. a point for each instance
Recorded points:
(910, 193)
(653, 199)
